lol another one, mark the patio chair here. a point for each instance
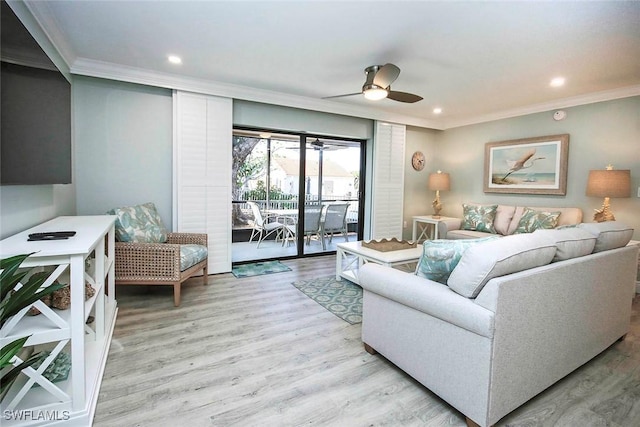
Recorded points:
(312, 217)
(146, 254)
(264, 226)
(335, 221)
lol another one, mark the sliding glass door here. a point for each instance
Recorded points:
(294, 195)
(332, 189)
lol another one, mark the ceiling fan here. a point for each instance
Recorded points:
(378, 85)
(319, 145)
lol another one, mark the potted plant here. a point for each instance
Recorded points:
(11, 302)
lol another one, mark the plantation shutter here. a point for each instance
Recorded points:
(388, 180)
(202, 172)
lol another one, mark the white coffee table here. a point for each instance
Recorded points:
(350, 256)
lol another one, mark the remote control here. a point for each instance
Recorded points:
(52, 235)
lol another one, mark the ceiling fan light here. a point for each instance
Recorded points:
(375, 93)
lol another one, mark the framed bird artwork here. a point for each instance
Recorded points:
(527, 166)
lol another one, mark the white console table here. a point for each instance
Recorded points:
(87, 257)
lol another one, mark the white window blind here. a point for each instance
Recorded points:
(388, 180)
(203, 128)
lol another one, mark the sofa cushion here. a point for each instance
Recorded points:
(532, 220)
(466, 234)
(139, 224)
(191, 254)
(440, 257)
(571, 242)
(609, 234)
(509, 254)
(479, 217)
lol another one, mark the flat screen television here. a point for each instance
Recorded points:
(35, 114)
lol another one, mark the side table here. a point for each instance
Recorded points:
(427, 222)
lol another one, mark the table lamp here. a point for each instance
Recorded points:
(438, 181)
(608, 183)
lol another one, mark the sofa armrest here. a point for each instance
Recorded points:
(153, 261)
(187, 238)
(427, 296)
(449, 224)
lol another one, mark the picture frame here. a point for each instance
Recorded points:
(527, 166)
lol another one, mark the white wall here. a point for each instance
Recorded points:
(124, 146)
(600, 134)
(24, 206)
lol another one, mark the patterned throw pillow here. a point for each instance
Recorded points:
(479, 218)
(532, 220)
(440, 257)
(139, 224)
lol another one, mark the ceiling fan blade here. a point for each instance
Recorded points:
(386, 75)
(342, 96)
(403, 97)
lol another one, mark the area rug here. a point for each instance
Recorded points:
(343, 298)
(259, 268)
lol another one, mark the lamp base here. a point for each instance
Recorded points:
(437, 206)
(604, 214)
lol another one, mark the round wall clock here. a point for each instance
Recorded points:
(417, 160)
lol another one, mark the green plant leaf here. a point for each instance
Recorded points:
(10, 376)
(27, 295)
(12, 302)
(8, 351)
(8, 277)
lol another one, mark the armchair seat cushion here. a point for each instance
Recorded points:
(191, 255)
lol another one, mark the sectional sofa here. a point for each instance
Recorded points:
(516, 314)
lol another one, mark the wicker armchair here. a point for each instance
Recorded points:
(158, 263)
(146, 254)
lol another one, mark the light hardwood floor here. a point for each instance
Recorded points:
(258, 352)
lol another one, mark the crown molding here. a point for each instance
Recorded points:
(106, 70)
(590, 98)
(38, 19)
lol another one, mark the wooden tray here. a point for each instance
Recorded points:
(385, 245)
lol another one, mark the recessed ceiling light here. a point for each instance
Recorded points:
(437, 110)
(175, 59)
(557, 82)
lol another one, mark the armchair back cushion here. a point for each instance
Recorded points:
(139, 224)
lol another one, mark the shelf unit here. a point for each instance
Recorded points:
(87, 257)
